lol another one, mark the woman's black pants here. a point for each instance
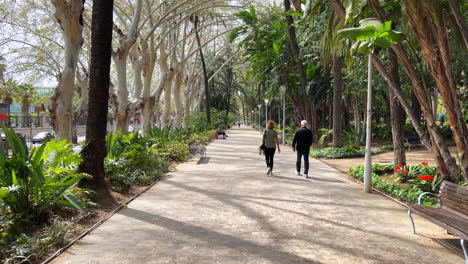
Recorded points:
(269, 154)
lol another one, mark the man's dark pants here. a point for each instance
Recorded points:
(301, 153)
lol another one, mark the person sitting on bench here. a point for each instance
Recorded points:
(221, 132)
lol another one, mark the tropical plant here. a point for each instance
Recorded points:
(27, 188)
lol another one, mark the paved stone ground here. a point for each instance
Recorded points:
(225, 210)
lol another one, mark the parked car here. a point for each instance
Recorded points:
(43, 137)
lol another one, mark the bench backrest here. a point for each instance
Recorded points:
(454, 197)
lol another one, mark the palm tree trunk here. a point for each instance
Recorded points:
(94, 152)
(338, 62)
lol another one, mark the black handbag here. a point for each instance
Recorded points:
(262, 146)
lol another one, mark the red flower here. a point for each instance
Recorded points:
(400, 166)
(396, 170)
(424, 163)
(428, 178)
(405, 171)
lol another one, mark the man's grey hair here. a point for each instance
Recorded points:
(304, 123)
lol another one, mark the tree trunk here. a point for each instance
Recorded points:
(415, 105)
(149, 61)
(205, 73)
(167, 104)
(460, 20)
(94, 151)
(435, 102)
(178, 105)
(429, 25)
(337, 101)
(124, 111)
(121, 115)
(294, 46)
(397, 114)
(436, 144)
(69, 16)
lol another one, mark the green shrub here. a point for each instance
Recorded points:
(334, 153)
(381, 131)
(131, 162)
(28, 188)
(447, 133)
(353, 137)
(325, 136)
(341, 153)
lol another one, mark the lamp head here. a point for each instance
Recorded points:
(371, 21)
(283, 89)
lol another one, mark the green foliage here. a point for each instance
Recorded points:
(409, 195)
(27, 249)
(406, 172)
(353, 136)
(341, 153)
(447, 133)
(325, 135)
(30, 186)
(197, 122)
(369, 38)
(381, 131)
(136, 160)
(428, 185)
(130, 162)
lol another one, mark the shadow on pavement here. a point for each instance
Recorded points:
(217, 239)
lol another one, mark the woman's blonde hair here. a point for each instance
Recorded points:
(270, 124)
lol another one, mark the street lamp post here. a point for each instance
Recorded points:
(368, 161)
(266, 110)
(259, 115)
(252, 117)
(283, 94)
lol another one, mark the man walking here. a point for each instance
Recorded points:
(302, 142)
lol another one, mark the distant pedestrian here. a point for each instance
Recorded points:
(271, 141)
(442, 119)
(302, 142)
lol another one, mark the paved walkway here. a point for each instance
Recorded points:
(225, 210)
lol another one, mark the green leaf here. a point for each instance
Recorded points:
(4, 192)
(14, 180)
(74, 201)
(355, 33)
(310, 70)
(383, 43)
(276, 48)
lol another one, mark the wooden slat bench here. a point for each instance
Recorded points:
(197, 148)
(451, 213)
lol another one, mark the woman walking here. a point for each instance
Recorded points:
(270, 139)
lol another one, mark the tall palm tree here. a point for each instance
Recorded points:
(27, 95)
(9, 89)
(94, 151)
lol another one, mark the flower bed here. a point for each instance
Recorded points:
(403, 182)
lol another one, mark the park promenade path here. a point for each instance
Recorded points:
(225, 210)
